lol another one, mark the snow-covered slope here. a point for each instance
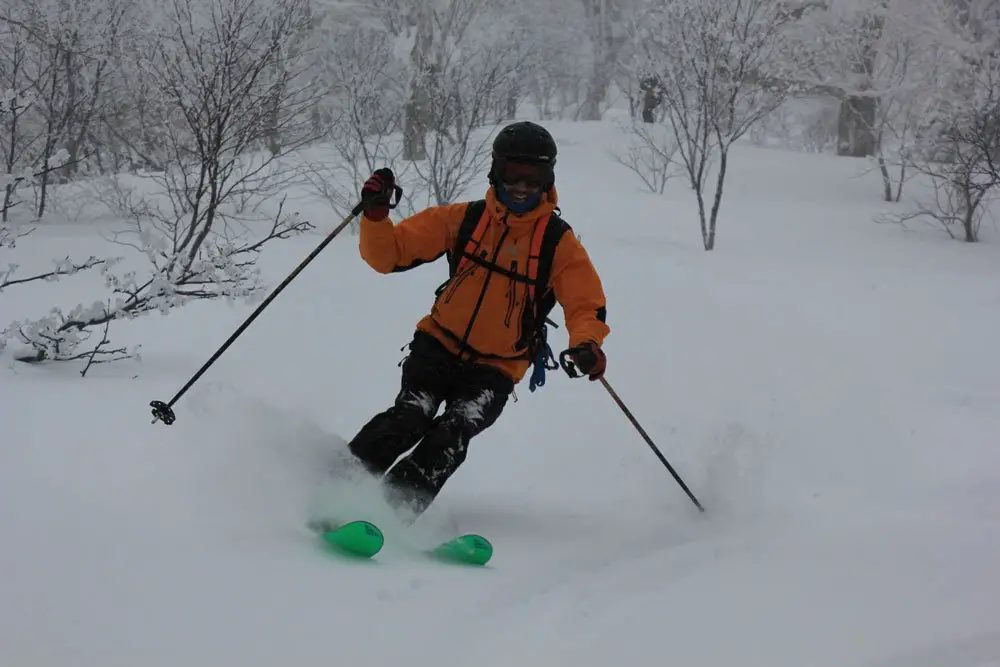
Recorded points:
(829, 388)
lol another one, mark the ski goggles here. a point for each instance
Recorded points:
(532, 174)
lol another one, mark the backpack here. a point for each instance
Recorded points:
(541, 298)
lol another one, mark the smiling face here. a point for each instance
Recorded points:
(523, 181)
(521, 191)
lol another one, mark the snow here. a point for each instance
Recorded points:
(829, 388)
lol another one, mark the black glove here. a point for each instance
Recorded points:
(590, 359)
(376, 193)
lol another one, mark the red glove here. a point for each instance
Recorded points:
(590, 359)
(376, 192)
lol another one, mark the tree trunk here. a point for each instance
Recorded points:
(856, 126)
(415, 122)
(604, 17)
(652, 97)
(512, 97)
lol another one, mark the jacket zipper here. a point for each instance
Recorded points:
(486, 285)
(511, 294)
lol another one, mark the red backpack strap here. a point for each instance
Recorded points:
(535, 256)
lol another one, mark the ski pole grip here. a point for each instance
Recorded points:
(566, 361)
(360, 207)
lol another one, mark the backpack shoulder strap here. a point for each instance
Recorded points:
(554, 230)
(541, 296)
(537, 319)
(473, 212)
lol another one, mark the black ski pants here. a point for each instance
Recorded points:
(473, 395)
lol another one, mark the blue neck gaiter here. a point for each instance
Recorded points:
(524, 207)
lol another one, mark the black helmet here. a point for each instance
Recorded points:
(527, 141)
(524, 141)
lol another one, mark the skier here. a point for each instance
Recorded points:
(510, 258)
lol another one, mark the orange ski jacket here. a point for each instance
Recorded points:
(479, 314)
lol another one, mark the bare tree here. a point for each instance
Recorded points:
(895, 112)
(362, 111)
(470, 84)
(706, 54)
(958, 149)
(963, 186)
(133, 125)
(20, 129)
(13, 106)
(440, 26)
(201, 223)
(61, 54)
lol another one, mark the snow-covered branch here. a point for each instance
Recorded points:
(649, 150)
(63, 267)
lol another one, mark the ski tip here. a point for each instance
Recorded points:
(357, 538)
(469, 549)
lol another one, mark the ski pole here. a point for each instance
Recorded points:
(572, 372)
(649, 442)
(164, 411)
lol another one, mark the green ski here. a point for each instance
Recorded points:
(356, 538)
(469, 549)
(363, 539)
